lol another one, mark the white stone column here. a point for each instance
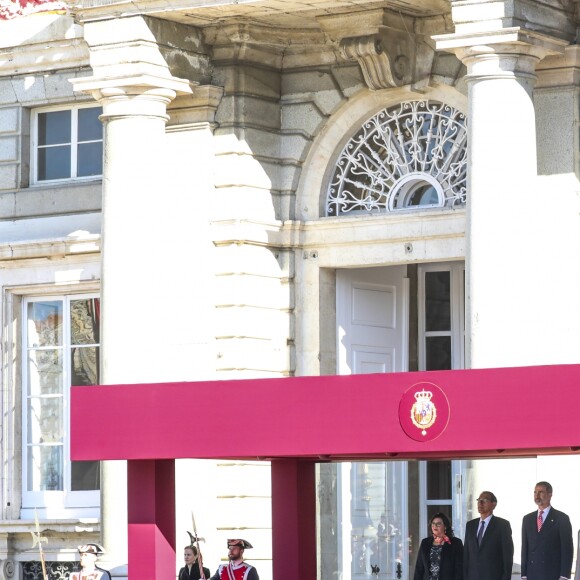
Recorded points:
(505, 294)
(144, 328)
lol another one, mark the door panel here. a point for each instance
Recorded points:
(372, 306)
(372, 331)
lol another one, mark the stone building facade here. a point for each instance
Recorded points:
(204, 190)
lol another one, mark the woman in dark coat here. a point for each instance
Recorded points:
(440, 555)
(191, 569)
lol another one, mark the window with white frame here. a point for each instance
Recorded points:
(441, 333)
(441, 317)
(67, 144)
(60, 350)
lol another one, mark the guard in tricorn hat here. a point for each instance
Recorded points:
(236, 568)
(89, 569)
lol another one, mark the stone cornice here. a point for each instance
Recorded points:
(339, 232)
(554, 18)
(197, 108)
(48, 249)
(41, 43)
(560, 70)
(506, 36)
(144, 80)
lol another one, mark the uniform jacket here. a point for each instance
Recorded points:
(451, 560)
(98, 574)
(547, 554)
(493, 560)
(240, 571)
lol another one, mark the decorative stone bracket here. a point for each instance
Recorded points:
(386, 59)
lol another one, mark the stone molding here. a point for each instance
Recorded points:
(560, 70)
(515, 36)
(41, 43)
(501, 54)
(49, 250)
(555, 18)
(196, 109)
(137, 96)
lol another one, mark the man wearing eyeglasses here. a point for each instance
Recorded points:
(488, 552)
(236, 568)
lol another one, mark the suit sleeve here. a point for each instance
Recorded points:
(216, 576)
(566, 546)
(253, 574)
(524, 548)
(507, 546)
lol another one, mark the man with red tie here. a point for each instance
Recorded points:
(236, 568)
(547, 544)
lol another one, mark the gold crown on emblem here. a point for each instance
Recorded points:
(423, 395)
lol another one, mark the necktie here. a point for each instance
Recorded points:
(540, 520)
(480, 532)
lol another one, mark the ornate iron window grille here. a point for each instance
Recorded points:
(411, 156)
(54, 570)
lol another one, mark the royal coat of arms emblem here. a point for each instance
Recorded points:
(423, 411)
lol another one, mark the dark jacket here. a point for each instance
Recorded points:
(194, 573)
(451, 560)
(493, 560)
(547, 554)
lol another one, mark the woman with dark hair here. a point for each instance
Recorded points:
(440, 555)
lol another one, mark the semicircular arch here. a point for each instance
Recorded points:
(344, 123)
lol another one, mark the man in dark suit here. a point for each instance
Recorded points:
(547, 545)
(488, 552)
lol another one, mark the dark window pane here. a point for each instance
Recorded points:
(439, 480)
(85, 475)
(90, 159)
(54, 163)
(54, 127)
(423, 194)
(437, 301)
(90, 128)
(438, 353)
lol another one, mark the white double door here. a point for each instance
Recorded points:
(372, 334)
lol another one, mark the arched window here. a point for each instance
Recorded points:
(410, 156)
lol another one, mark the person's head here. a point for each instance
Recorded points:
(189, 555)
(439, 526)
(236, 549)
(542, 494)
(486, 503)
(89, 554)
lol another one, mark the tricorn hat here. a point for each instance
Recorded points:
(244, 544)
(91, 549)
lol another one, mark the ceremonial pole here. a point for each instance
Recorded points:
(199, 562)
(38, 539)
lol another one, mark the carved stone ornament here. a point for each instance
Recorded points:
(381, 68)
